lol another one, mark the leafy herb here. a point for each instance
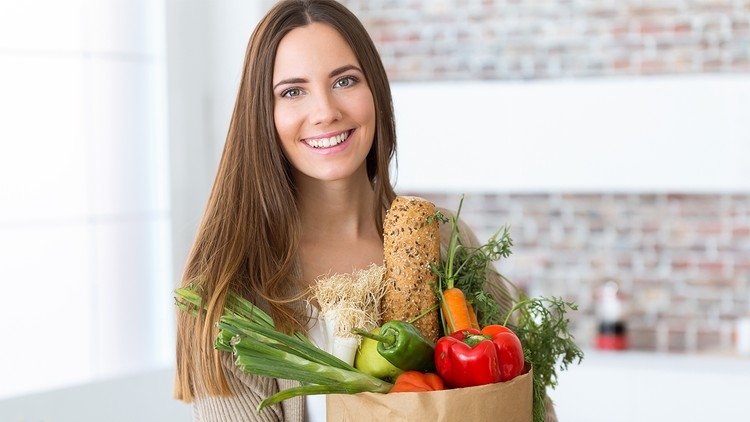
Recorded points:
(542, 327)
(540, 323)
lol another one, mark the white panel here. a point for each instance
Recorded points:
(126, 177)
(643, 134)
(129, 270)
(42, 164)
(161, 294)
(45, 317)
(120, 27)
(41, 25)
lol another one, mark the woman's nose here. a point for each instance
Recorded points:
(326, 110)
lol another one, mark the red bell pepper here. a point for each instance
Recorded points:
(467, 358)
(509, 350)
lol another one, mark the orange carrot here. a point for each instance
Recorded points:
(472, 316)
(455, 310)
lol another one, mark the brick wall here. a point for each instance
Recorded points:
(682, 260)
(513, 39)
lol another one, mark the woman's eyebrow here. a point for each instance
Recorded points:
(290, 81)
(334, 72)
(343, 69)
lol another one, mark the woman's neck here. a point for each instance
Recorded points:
(338, 229)
(347, 214)
(340, 208)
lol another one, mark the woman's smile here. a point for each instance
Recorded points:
(328, 142)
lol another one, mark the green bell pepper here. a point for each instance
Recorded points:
(403, 345)
(369, 361)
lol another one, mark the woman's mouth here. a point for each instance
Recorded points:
(328, 142)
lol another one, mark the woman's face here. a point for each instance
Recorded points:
(323, 108)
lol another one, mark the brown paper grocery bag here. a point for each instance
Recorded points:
(509, 401)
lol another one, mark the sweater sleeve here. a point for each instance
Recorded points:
(247, 392)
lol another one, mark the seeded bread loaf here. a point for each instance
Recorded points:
(411, 246)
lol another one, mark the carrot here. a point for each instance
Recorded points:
(472, 316)
(455, 310)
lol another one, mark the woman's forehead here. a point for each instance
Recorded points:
(312, 50)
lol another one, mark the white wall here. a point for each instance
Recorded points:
(84, 221)
(688, 134)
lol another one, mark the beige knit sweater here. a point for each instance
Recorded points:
(249, 391)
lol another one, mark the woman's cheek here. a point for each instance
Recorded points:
(284, 120)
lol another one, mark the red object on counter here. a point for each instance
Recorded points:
(612, 334)
(611, 343)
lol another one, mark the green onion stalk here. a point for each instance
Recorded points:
(259, 349)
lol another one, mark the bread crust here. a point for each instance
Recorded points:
(411, 246)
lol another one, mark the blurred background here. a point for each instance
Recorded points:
(612, 137)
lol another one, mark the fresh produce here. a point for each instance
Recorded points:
(455, 310)
(403, 345)
(509, 350)
(248, 332)
(491, 330)
(347, 301)
(472, 316)
(415, 381)
(461, 290)
(540, 323)
(411, 246)
(370, 361)
(456, 315)
(467, 359)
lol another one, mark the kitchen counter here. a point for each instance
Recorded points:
(641, 386)
(605, 387)
(143, 397)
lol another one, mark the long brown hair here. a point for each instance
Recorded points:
(248, 239)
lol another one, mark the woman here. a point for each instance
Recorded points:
(303, 181)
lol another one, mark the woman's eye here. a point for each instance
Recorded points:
(346, 81)
(293, 92)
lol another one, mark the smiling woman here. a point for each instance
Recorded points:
(302, 182)
(300, 195)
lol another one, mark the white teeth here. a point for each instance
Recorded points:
(328, 142)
